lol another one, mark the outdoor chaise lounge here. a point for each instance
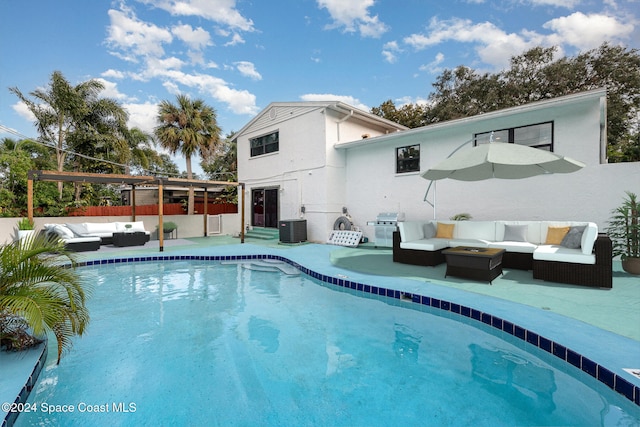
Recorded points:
(72, 241)
(88, 236)
(580, 257)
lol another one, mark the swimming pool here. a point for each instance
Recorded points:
(201, 343)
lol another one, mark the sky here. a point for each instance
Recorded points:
(240, 55)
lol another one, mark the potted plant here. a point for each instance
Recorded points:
(25, 228)
(624, 231)
(168, 227)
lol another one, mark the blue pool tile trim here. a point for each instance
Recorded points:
(23, 395)
(602, 374)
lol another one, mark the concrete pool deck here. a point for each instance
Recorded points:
(601, 324)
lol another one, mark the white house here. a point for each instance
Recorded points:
(315, 160)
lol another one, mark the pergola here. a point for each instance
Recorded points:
(133, 181)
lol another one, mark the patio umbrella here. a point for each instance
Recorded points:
(501, 160)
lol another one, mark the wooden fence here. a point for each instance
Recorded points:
(167, 209)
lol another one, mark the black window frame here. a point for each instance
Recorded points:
(265, 144)
(510, 133)
(407, 164)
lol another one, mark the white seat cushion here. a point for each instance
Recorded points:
(426, 244)
(523, 247)
(562, 254)
(474, 243)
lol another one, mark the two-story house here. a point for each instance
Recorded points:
(316, 160)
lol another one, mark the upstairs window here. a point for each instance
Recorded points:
(265, 144)
(408, 159)
(537, 136)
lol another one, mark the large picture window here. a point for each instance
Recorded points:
(408, 159)
(265, 144)
(537, 136)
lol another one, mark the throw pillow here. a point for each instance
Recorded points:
(445, 231)
(429, 230)
(556, 234)
(63, 231)
(573, 239)
(515, 233)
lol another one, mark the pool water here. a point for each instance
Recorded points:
(203, 343)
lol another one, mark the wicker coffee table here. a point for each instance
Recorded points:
(474, 263)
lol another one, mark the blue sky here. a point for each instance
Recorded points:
(240, 55)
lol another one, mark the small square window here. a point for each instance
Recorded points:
(408, 159)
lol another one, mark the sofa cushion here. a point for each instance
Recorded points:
(62, 231)
(589, 237)
(135, 226)
(515, 233)
(573, 239)
(473, 243)
(426, 244)
(475, 230)
(533, 234)
(555, 235)
(523, 247)
(429, 230)
(562, 254)
(101, 229)
(78, 230)
(444, 231)
(410, 230)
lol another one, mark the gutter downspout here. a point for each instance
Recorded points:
(345, 118)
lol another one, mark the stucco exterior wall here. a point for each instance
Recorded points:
(587, 195)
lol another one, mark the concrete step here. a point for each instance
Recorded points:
(263, 233)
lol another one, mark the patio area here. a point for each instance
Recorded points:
(601, 324)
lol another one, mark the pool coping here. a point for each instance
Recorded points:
(617, 379)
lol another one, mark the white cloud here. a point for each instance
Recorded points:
(569, 4)
(495, 47)
(389, 51)
(23, 111)
(135, 38)
(114, 74)
(111, 90)
(354, 102)
(353, 15)
(220, 11)
(248, 69)
(433, 67)
(235, 40)
(196, 39)
(588, 31)
(142, 116)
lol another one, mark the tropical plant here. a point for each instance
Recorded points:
(535, 75)
(624, 228)
(189, 127)
(169, 226)
(41, 290)
(461, 217)
(25, 224)
(75, 117)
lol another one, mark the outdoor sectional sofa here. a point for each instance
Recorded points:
(557, 251)
(88, 236)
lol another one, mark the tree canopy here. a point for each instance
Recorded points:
(189, 128)
(533, 76)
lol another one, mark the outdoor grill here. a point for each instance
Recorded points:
(385, 224)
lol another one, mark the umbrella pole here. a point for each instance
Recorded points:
(426, 195)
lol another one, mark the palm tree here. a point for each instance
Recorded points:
(68, 116)
(35, 286)
(189, 128)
